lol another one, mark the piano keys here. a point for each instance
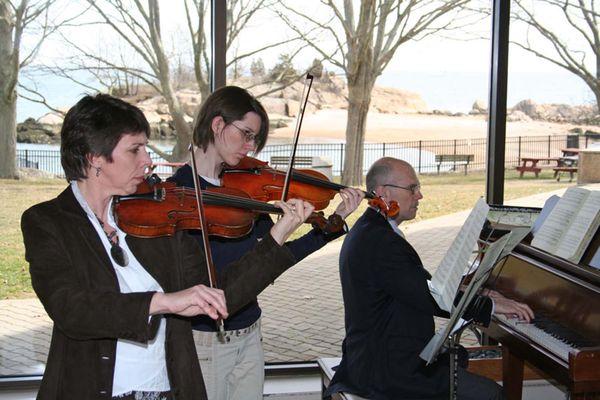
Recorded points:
(564, 340)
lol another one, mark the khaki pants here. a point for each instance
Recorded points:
(232, 369)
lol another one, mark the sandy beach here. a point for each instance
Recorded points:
(328, 126)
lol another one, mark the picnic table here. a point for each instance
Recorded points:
(570, 152)
(567, 163)
(529, 164)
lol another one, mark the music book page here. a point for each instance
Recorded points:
(447, 277)
(491, 256)
(569, 228)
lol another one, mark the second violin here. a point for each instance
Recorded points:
(163, 208)
(261, 182)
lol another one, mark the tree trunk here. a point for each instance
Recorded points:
(9, 68)
(182, 128)
(8, 138)
(359, 100)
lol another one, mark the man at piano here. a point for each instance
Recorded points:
(388, 307)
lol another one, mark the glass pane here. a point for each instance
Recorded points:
(427, 106)
(552, 112)
(82, 60)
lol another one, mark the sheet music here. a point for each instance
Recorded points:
(431, 350)
(548, 207)
(515, 237)
(568, 229)
(551, 232)
(448, 275)
(578, 236)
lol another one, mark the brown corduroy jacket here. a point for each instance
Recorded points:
(72, 275)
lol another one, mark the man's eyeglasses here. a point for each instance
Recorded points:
(247, 134)
(412, 188)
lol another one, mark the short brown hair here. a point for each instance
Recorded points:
(231, 103)
(93, 127)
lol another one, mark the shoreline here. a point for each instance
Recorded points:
(329, 126)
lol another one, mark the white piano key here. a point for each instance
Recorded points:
(540, 337)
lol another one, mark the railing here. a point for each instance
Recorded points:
(420, 154)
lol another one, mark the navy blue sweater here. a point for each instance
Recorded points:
(225, 251)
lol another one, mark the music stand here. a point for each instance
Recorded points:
(448, 334)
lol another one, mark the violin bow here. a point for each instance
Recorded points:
(303, 101)
(210, 267)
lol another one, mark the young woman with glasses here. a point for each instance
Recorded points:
(230, 124)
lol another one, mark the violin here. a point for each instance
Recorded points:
(263, 183)
(161, 209)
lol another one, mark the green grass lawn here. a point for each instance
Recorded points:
(443, 194)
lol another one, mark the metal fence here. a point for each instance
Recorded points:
(420, 154)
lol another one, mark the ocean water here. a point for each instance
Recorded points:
(457, 91)
(443, 90)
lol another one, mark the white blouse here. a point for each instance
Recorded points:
(138, 366)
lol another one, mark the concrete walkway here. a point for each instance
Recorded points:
(303, 313)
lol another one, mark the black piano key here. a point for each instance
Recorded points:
(544, 322)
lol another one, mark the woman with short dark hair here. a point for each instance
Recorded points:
(117, 301)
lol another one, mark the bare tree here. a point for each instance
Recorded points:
(362, 46)
(240, 14)
(138, 24)
(570, 39)
(15, 19)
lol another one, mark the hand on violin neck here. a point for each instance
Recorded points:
(351, 198)
(196, 300)
(295, 212)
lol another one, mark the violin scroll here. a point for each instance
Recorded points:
(388, 210)
(333, 224)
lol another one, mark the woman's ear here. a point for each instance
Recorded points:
(95, 161)
(217, 125)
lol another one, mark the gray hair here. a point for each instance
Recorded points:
(380, 171)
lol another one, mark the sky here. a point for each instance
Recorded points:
(417, 65)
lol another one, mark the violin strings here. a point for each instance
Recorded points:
(228, 200)
(305, 178)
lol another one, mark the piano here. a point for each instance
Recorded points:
(564, 339)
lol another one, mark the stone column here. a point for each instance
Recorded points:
(589, 166)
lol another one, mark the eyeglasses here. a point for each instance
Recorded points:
(414, 188)
(247, 134)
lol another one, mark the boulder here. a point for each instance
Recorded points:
(479, 107)
(396, 101)
(529, 107)
(51, 118)
(274, 105)
(162, 108)
(154, 118)
(517, 116)
(30, 131)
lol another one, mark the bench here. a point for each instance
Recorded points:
(320, 164)
(326, 366)
(283, 161)
(559, 170)
(460, 159)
